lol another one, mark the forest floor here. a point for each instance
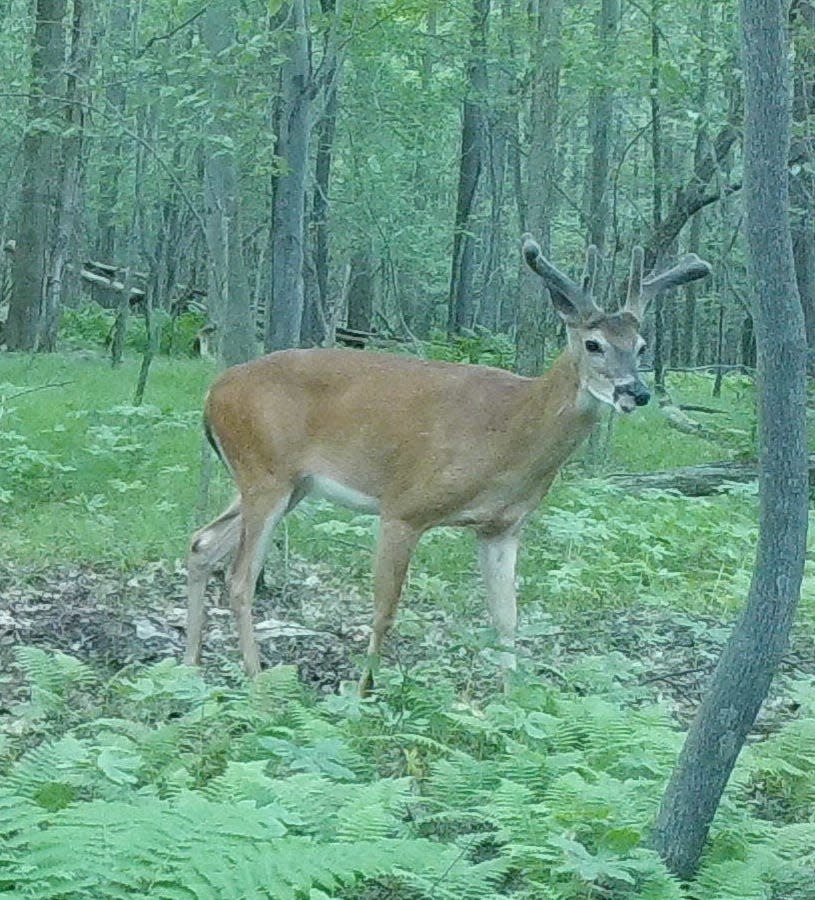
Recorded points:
(113, 620)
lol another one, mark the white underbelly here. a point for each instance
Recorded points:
(342, 495)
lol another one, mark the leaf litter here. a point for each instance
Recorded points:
(307, 618)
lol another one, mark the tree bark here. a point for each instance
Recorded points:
(601, 112)
(802, 179)
(318, 302)
(120, 45)
(500, 129)
(361, 291)
(72, 175)
(539, 205)
(758, 642)
(285, 309)
(657, 175)
(230, 300)
(461, 303)
(688, 345)
(39, 194)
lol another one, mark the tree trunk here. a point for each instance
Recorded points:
(317, 310)
(284, 314)
(72, 172)
(461, 308)
(601, 112)
(802, 181)
(751, 657)
(361, 291)
(500, 130)
(688, 345)
(228, 283)
(39, 194)
(119, 42)
(539, 205)
(660, 361)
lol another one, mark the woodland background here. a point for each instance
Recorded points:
(211, 179)
(301, 166)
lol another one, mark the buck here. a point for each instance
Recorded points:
(419, 443)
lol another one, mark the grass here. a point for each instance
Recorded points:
(94, 479)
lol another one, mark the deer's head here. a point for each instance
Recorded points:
(608, 346)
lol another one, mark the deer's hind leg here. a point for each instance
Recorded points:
(260, 512)
(208, 547)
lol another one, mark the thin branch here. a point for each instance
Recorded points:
(39, 387)
(172, 33)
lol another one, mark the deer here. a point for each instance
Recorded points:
(419, 443)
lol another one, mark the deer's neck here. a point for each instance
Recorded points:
(563, 411)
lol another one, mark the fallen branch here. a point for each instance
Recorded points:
(679, 420)
(39, 387)
(696, 481)
(136, 294)
(693, 407)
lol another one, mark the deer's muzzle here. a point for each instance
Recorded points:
(631, 394)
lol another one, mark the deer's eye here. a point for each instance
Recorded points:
(593, 347)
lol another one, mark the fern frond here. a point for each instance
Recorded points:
(53, 671)
(195, 848)
(44, 771)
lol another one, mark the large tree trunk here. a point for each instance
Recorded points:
(462, 307)
(40, 192)
(228, 284)
(802, 181)
(500, 130)
(72, 175)
(285, 309)
(118, 40)
(759, 640)
(542, 168)
(601, 112)
(317, 311)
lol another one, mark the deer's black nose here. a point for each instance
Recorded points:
(641, 394)
(636, 390)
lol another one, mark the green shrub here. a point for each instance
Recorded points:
(85, 326)
(478, 346)
(178, 335)
(91, 326)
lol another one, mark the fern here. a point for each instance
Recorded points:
(52, 774)
(55, 681)
(258, 791)
(215, 851)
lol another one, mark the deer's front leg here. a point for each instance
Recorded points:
(394, 548)
(497, 554)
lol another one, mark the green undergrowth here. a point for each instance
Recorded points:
(168, 787)
(122, 481)
(155, 783)
(86, 477)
